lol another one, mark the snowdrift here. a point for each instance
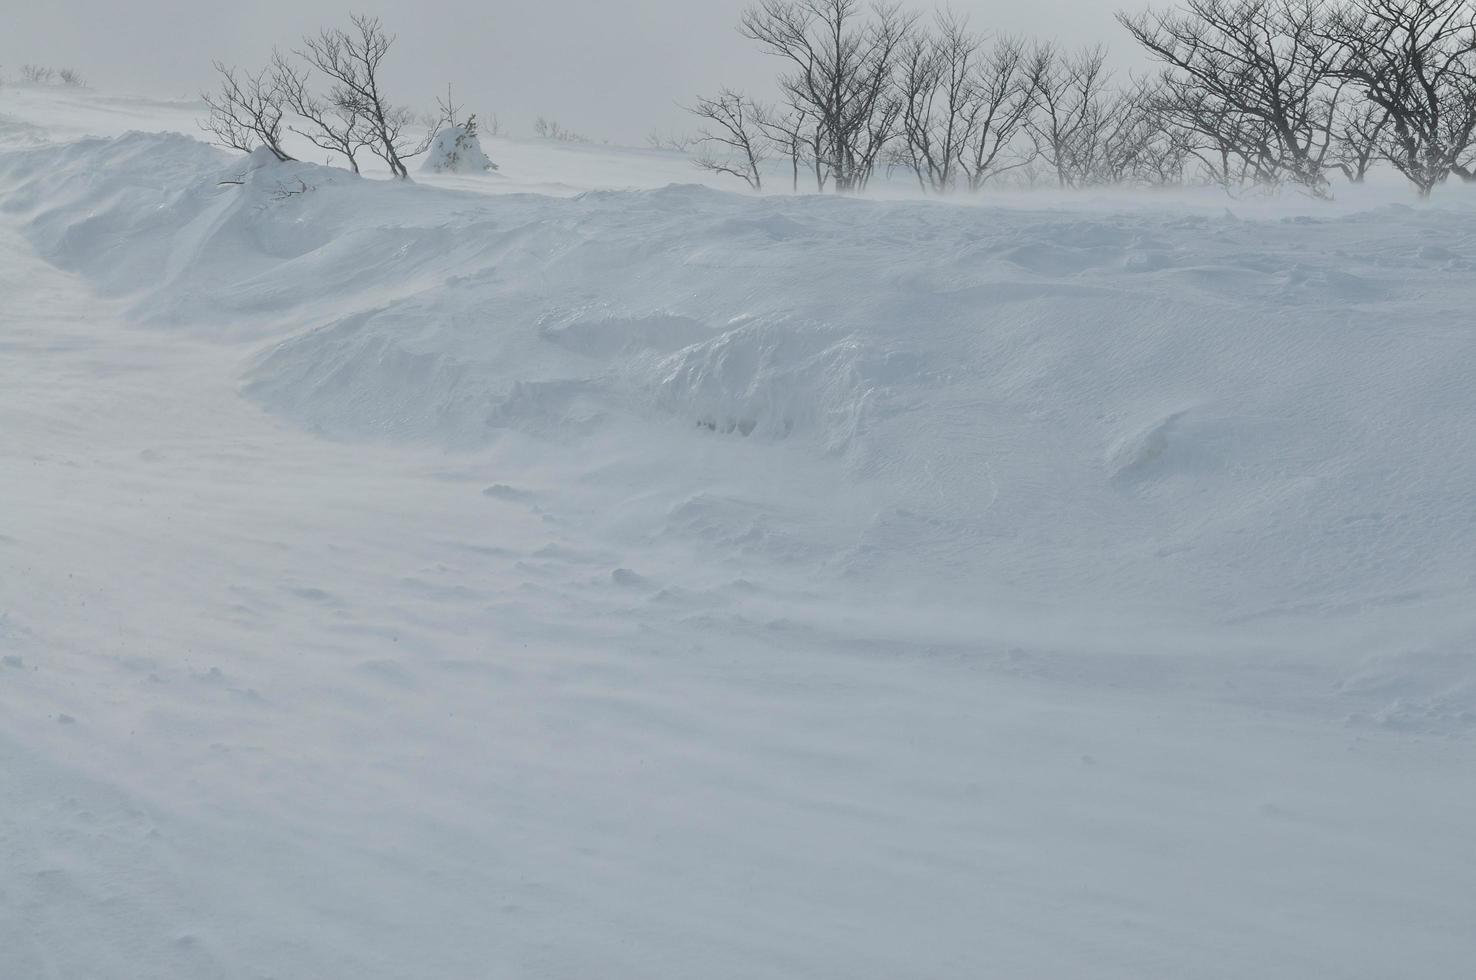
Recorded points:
(437, 580)
(1265, 425)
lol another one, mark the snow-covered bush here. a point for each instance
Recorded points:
(456, 150)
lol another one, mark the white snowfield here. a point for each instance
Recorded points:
(442, 580)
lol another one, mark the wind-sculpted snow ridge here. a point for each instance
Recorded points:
(1214, 413)
(427, 580)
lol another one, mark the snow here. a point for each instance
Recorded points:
(456, 150)
(585, 574)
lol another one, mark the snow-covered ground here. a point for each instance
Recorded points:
(565, 574)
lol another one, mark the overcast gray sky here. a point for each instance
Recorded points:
(613, 69)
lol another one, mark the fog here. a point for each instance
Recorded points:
(610, 70)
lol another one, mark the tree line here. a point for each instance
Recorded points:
(1245, 93)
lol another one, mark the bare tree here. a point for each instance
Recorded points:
(963, 105)
(37, 74)
(1092, 132)
(798, 133)
(1208, 131)
(841, 60)
(1166, 158)
(790, 130)
(327, 124)
(70, 77)
(1080, 116)
(353, 60)
(247, 112)
(1416, 61)
(1135, 144)
(730, 140)
(1004, 99)
(447, 108)
(1252, 76)
(1358, 138)
(940, 107)
(1068, 91)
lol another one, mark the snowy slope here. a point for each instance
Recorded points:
(445, 580)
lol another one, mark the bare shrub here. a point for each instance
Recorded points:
(675, 142)
(549, 129)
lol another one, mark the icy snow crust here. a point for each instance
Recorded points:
(681, 583)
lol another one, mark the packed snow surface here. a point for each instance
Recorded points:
(580, 574)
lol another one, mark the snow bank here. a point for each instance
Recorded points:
(1229, 421)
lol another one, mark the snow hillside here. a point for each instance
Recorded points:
(447, 580)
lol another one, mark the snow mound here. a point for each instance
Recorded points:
(456, 150)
